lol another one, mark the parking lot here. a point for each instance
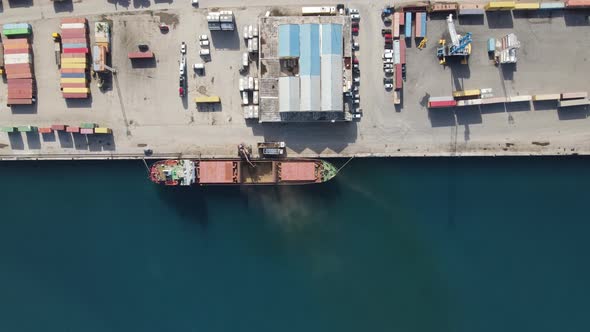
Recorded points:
(143, 106)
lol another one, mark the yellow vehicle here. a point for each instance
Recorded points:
(422, 43)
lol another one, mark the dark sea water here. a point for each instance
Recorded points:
(427, 245)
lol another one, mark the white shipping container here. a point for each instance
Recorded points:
(255, 44)
(242, 84)
(255, 31)
(396, 52)
(246, 32)
(250, 45)
(255, 97)
(245, 98)
(256, 84)
(250, 83)
(73, 26)
(250, 31)
(245, 59)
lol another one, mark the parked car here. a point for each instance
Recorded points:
(355, 17)
(388, 71)
(385, 31)
(388, 36)
(357, 101)
(387, 80)
(204, 43)
(388, 60)
(353, 11)
(195, 3)
(387, 65)
(183, 48)
(387, 20)
(356, 46)
(164, 28)
(355, 30)
(388, 86)
(356, 80)
(203, 37)
(204, 52)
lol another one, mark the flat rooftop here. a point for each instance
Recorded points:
(143, 108)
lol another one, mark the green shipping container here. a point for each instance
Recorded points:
(14, 32)
(26, 129)
(7, 129)
(88, 125)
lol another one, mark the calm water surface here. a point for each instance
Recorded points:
(427, 245)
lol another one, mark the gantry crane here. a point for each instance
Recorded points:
(460, 45)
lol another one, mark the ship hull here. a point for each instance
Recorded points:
(239, 172)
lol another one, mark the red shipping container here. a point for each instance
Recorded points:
(402, 18)
(76, 50)
(398, 76)
(27, 94)
(13, 41)
(44, 130)
(58, 127)
(446, 103)
(25, 75)
(402, 51)
(73, 20)
(418, 25)
(16, 46)
(71, 129)
(72, 70)
(75, 95)
(141, 55)
(73, 85)
(19, 81)
(577, 3)
(17, 51)
(73, 40)
(19, 101)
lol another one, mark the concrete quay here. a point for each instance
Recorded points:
(144, 110)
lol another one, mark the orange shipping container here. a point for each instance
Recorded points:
(75, 96)
(21, 75)
(15, 41)
(20, 81)
(72, 70)
(16, 46)
(73, 85)
(19, 101)
(17, 51)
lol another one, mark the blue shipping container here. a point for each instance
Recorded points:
(551, 5)
(408, 25)
(423, 24)
(491, 45)
(73, 75)
(10, 26)
(79, 45)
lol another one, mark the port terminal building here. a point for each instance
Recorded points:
(305, 68)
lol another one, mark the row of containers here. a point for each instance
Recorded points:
(479, 97)
(74, 58)
(18, 64)
(84, 128)
(405, 19)
(463, 8)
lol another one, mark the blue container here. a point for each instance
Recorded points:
(73, 75)
(78, 45)
(551, 5)
(408, 25)
(423, 24)
(491, 45)
(11, 26)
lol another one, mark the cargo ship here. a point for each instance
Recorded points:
(187, 172)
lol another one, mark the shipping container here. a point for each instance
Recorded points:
(408, 26)
(88, 125)
(17, 51)
(444, 98)
(207, 99)
(443, 7)
(491, 45)
(72, 20)
(574, 95)
(73, 85)
(64, 26)
(396, 24)
(26, 129)
(471, 9)
(499, 5)
(573, 102)
(75, 90)
(75, 95)
(86, 131)
(74, 45)
(518, 99)
(8, 129)
(466, 93)
(72, 70)
(76, 50)
(74, 60)
(71, 129)
(551, 5)
(45, 130)
(58, 127)
(19, 101)
(439, 104)
(73, 75)
(548, 96)
(73, 80)
(402, 18)
(396, 52)
(495, 100)
(102, 130)
(577, 3)
(398, 77)
(526, 6)
(402, 48)
(140, 55)
(469, 102)
(420, 24)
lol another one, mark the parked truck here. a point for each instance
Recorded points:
(325, 10)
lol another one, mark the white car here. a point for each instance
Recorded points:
(355, 17)
(357, 96)
(387, 65)
(357, 101)
(388, 60)
(195, 3)
(357, 80)
(388, 86)
(183, 48)
(204, 52)
(203, 37)
(356, 46)
(204, 43)
(388, 71)
(353, 11)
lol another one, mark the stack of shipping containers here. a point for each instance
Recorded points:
(74, 64)
(420, 25)
(18, 64)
